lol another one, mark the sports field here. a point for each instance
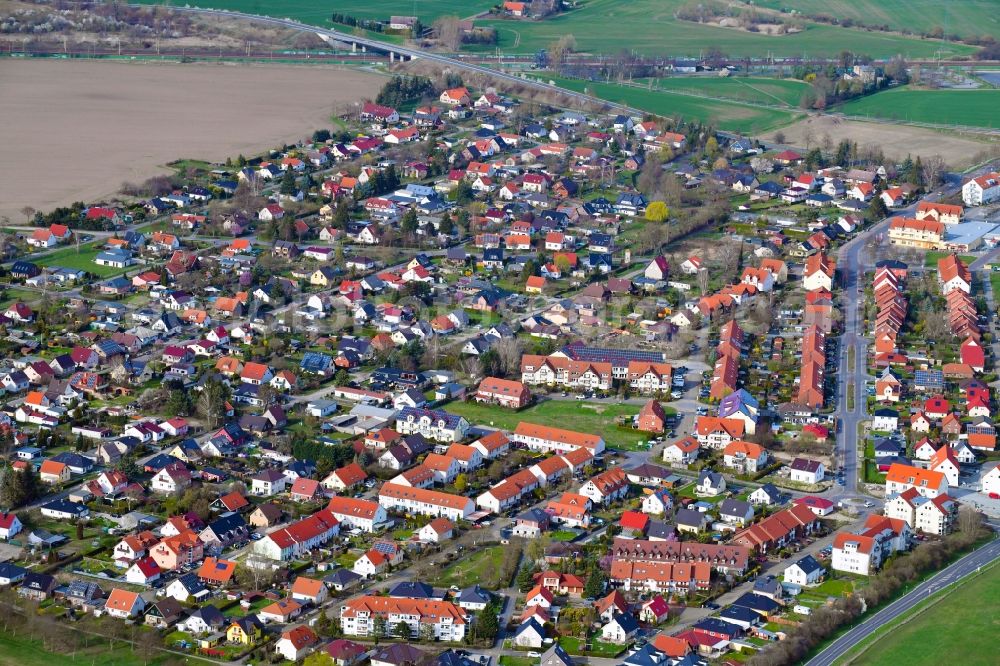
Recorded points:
(649, 26)
(971, 108)
(961, 628)
(318, 13)
(960, 17)
(753, 90)
(726, 115)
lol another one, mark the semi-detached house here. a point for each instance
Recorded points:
(357, 513)
(299, 538)
(433, 424)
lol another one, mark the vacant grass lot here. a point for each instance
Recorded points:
(960, 627)
(732, 116)
(480, 568)
(960, 17)
(753, 90)
(22, 651)
(649, 26)
(967, 108)
(593, 418)
(82, 259)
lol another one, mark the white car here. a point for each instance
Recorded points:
(869, 504)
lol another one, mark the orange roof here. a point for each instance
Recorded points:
(52, 467)
(351, 475)
(434, 497)
(536, 281)
(914, 476)
(558, 435)
(864, 543)
(428, 610)
(709, 424)
(925, 225)
(217, 571)
(749, 449)
(307, 587)
(254, 371)
(494, 441)
(121, 600)
(300, 636)
(282, 608)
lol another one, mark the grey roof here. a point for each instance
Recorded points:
(413, 590)
(689, 517)
(734, 507)
(808, 564)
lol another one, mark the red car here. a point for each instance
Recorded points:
(994, 495)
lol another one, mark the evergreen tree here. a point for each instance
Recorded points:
(877, 210)
(594, 587)
(288, 182)
(447, 226)
(408, 225)
(526, 578)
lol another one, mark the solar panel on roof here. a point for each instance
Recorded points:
(384, 548)
(581, 353)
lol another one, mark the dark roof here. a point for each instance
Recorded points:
(412, 589)
(808, 564)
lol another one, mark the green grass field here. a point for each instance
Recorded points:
(69, 257)
(972, 108)
(961, 17)
(608, 26)
(753, 90)
(585, 417)
(960, 627)
(22, 651)
(318, 13)
(732, 116)
(481, 568)
(931, 258)
(649, 26)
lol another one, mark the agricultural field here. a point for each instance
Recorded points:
(726, 115)
(649, 27)
(966, 18)
(570, 414)
(960, 623)
(319, 13)
(49, 108)
(752, 90)
(895, 140)
(967, 108)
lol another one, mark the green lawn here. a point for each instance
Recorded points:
(931, 258)
(28, 296)
(585, 417)
(318, 13)
(727, 115)
(960, 17)
(563, 535)
(754, 90)
(960, 627)
(481, 567)
(973, 108)
(598, 648)
(70, 257)
(507, 660)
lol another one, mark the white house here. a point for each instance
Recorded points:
(657, 503)
(991, 481)
(10, 525)
(981, 190)
(806, 571)
(807, 471)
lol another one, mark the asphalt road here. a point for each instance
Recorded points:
(948, 576)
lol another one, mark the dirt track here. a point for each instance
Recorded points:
(74, 130)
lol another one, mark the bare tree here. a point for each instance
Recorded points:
(449, 32)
